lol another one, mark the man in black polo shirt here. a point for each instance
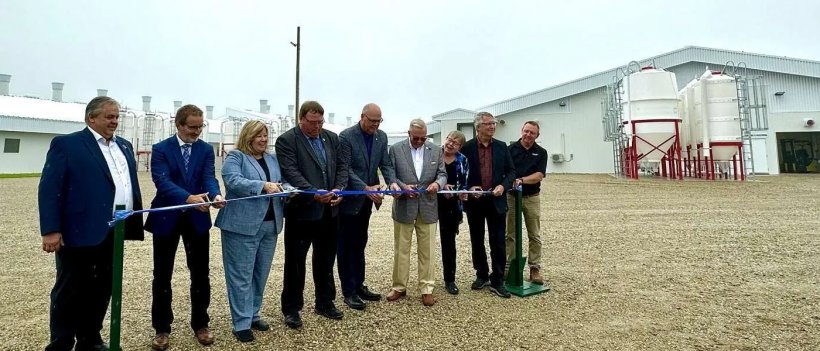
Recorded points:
(530, 161)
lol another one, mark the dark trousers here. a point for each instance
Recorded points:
(299, 236)
(480, 211)
(350, 250)
(448, 229)
(80, 295)
(197, 251)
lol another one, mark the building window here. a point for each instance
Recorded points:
(11, 146)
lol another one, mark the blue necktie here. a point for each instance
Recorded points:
(318, 150)
(186, 155)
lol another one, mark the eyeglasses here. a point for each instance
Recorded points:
(374, 121)
(452, 141)
(488, 123)
(418, 138)
(199, 127)
(314, 123)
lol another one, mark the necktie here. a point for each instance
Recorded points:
(318, 150)
(186, 155)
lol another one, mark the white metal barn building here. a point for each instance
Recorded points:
(570, 114)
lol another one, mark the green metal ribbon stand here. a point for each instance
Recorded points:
(515, 279)
(116, 283)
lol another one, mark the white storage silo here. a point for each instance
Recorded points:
(650, 104)
(718, 122)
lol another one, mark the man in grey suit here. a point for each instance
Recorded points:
(419, 165)
(364, 147)
(309, 160)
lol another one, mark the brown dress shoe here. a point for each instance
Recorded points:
(204, 336)
(428, 300)
(160, 342)
(535, 277)
(395, 295)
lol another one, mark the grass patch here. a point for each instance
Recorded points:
(19, 175)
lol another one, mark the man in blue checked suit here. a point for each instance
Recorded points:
(85, 175)
(364, 146)
(182, 168)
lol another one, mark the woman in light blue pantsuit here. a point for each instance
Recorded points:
(249, 227)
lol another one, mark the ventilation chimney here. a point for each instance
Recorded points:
(349, 121)
(267, 109)
(290, 111)
(5, 79)
(102, 92)
(209, 112)
(57, 91)
(146, 104)
(263, 106)
(177, 106)
(331, 117)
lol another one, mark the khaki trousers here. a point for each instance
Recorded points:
(402, 241)
(532, 221)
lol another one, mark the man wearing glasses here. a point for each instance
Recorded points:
(182, 168)
(491, 169)
(419, 167)
(309, 159)
(364, 147)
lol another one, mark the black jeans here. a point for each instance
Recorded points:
(299, 236)
(448, 229)
(484, 210)
(352, 243)
(197, 252)
(81, 294)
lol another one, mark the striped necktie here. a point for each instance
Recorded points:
(186, 155)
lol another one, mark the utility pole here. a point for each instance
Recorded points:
(298, 47)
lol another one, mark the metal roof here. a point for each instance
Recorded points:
(718, 57)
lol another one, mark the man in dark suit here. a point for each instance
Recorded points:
(491, 169)
(85, 175)
(182, 168)
(364, 147)
(309, 160)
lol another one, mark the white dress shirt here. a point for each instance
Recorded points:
(183, 143)
(118, 166)
(418, 159)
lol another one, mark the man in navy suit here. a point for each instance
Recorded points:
(365, 148)
(85, 175)
(491, 169)
(182, 168)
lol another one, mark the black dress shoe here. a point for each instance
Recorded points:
(293, 320)
(368, 295)
(354, 302)
(330, 312)
(451, 288)
(244, 335)
(260, 325)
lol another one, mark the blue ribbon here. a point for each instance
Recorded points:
(121, 215)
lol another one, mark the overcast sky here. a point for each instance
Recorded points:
(414, 58)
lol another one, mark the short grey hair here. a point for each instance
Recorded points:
(418, 124)
(479, 116)
(96, 105)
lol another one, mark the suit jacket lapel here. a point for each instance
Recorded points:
(360, 139)
(176, 150)
(94, 148)
(428, 158)
(301, 139)
(256, 165)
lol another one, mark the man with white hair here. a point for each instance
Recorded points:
(418, 165)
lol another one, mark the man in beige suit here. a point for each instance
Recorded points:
(418, 164)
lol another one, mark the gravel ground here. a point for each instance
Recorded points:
(648, 264)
